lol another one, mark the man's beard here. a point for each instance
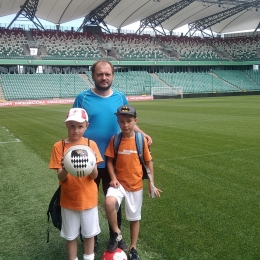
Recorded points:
(102, 88)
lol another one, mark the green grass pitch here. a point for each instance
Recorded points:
(206, 158)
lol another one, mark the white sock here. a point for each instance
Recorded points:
(89, 257)
(76, 258)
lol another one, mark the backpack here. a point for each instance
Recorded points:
(54, 209)
(139, 141)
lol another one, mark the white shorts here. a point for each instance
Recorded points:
(74, 220)
(133, 201)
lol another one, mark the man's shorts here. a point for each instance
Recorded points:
(133, 201)
(74, 220)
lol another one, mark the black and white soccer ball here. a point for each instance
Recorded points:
(79, 160)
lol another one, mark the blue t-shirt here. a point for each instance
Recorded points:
(102, 120)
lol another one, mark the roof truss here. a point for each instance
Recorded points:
(97, 16)
(28, 10)
(206, 23)
(158, 18)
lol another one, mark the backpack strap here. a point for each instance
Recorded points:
(86, 139)
(117, 140)
(139, 141)
(63, 146)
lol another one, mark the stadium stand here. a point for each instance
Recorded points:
(254, 75)
(134, 47)
(242, 48)
(188, 48)
(67, 45)
(238, 78)
(13, 43)
(58, 45)
(41, 86)
(196, 82)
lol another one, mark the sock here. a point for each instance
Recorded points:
(119, 237)
(76, 258)
(88, 257)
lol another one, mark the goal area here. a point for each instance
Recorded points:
(167, 92)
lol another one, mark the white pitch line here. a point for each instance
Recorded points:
(16, 141)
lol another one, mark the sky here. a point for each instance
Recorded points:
(76, 23)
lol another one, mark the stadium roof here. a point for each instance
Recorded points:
(125, 12)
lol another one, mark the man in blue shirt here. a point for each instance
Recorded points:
(101, 102)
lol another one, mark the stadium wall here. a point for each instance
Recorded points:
(208, 95)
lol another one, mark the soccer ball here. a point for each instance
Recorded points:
(79, 160)
(119, 254)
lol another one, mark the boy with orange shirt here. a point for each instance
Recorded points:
(79, 196)
(126, 180)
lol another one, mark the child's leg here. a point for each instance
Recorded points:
(72, 249)
(111, 212)
(134, 232)
(70, 231)
(133, 206)
(89, 229)
(89, 246)
(113, 201)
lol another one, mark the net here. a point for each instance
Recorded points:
(167, 91)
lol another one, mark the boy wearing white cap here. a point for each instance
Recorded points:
(79, 196)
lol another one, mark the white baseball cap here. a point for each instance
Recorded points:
(77, 114)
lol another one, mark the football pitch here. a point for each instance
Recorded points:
(206, 159)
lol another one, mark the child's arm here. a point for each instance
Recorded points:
(151, 182)
(110, 167)
(94, 173)
(99, 159)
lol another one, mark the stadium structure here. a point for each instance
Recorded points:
(39, 63)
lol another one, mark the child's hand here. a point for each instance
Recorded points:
(156, 192)
(62, 164)
(114, 183)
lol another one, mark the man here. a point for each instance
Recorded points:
(101, 102)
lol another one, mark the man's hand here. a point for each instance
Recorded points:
(149, 139)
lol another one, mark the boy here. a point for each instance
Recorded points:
(79, 196)
(126, 180)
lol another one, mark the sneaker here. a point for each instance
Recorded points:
(122, 245)
(133, 254)
(113, 242)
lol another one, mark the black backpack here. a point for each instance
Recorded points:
(54, 209)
